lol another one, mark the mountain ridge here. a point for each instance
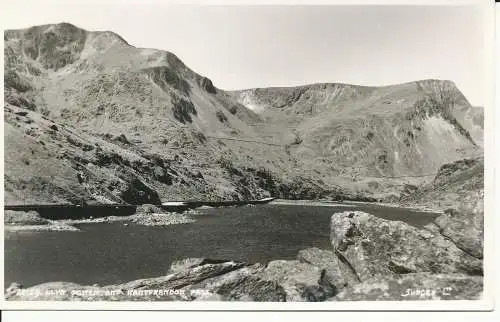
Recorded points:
(140, 119)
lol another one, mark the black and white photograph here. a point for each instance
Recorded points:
(205, 154)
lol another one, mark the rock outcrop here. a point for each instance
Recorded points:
(136, 192)
(415, 286)
(369, 247)
(244, 284)
(464, 227)
(328, 263)
(194, 279)
(301, 281)
(391, 260)
(459, 184)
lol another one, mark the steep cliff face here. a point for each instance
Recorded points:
(457, 183)
(93, 117)
(407, 129)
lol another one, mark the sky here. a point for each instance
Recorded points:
(260, 46)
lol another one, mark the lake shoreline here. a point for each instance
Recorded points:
(349, 203)
(419, 208)
(334, 273)
(165, 218)
(150, 219)
(58, 226)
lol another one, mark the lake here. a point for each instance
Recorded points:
(110, 253)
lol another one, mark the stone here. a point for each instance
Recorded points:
(138, 290)
(465, 227)
(12, 290)
(243, 284)
(368, 246)
(122, 138)
(207, 85)
(324, 259)
(301, 281)
(415, 286)
(190, 262)
(185, 277)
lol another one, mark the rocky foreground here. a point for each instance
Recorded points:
(370, 259)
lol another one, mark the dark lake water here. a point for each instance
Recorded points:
(109, 253)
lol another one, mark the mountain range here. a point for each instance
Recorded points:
(90, 117)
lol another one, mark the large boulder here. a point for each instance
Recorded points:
(190, 262)
(301, 281)
(465, 226)
(191, 275)
(415, 286)
(244, 284)
(327, 261)
(369, 247)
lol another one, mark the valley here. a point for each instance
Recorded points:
(89, 116)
